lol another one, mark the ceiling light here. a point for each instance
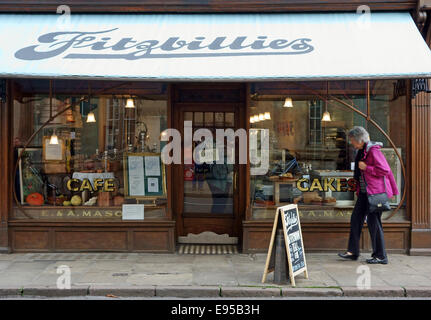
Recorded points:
(54, 139)
(130, 104)
(288, 103)
(267, 116)
(91, 117)
(326, 116)
(261, 117)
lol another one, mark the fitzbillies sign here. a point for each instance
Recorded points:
(104, 45)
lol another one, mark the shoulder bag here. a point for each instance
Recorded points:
(378, 202)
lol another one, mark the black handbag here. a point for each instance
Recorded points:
(378, 202)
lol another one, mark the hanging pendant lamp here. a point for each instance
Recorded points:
(288, 103)
(130, 104)
(54, 138)
(90, 116)
(326, 115)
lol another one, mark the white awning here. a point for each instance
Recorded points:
(228, 47)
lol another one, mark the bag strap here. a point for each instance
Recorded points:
(366, 184)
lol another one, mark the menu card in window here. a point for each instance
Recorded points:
(133, 211)
(152, 166)
(136, 175)
(53, 152)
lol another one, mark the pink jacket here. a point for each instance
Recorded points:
(377, 168)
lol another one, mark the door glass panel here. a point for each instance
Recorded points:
(229, 119)
(208, 187)
(209, 119)
(199, 119)
(219, 119)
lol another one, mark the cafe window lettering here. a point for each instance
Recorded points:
(310, 158)
(77, 166)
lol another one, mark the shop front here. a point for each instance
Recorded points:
(195, 128)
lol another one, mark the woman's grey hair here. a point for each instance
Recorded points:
(359, 134)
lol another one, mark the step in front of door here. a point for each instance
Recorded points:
(207, 249)
(208, 237)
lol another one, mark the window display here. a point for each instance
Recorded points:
(311, 161)
(74, 167)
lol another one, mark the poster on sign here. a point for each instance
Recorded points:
(288, 217)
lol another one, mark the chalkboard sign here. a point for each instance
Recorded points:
(288, 216)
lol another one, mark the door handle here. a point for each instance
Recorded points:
(235, 176)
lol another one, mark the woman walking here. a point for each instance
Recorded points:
(373, 175)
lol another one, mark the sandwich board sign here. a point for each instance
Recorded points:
(288, 216)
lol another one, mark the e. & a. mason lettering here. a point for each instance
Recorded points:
(106, 45)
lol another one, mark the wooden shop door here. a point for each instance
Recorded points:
(207, 196)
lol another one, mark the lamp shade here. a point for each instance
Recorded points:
(288, 103)
(91, 117)
(130, 103)
(54, 139)
(326, 116)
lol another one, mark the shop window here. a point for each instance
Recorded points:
(315, 123)
(310, 160)
(84, 164)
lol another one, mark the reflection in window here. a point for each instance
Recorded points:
(310, 160)
(82, 175)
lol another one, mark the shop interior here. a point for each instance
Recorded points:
(75, 164)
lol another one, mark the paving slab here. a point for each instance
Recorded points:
(162, 268)
(4, 265)
(98, 277)
(215, 278)
(111, 266)
(165, 258)
(160, 279)
(28, 266)
(188, 291)
(16, 279)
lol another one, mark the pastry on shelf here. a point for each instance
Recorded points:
(91, 202)
(330, 200)
(311, 197)
(297, 200)
(286, 175)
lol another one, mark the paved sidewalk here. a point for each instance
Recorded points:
(188, 276)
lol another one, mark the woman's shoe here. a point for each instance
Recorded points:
(377, 261)
(348, 256)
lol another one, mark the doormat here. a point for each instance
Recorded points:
(207, 249)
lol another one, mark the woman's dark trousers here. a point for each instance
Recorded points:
(360, 212)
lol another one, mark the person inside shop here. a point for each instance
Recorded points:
(373, 176)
